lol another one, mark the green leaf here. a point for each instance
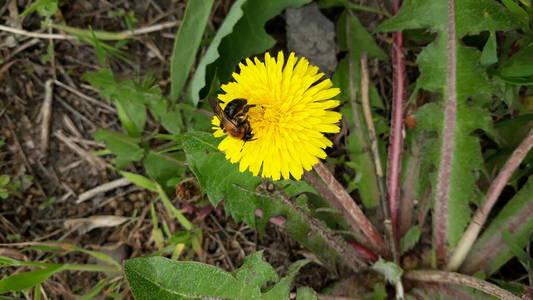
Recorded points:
(127, 96)
(353, 37)
(467, 160)
(164, 279)
(515, 247)
(46, 8)
(126, 148)
(491, 252)
(282, 289)
(164, 166)
(27, 280)
(410, 239)
(219, 178)
(234, 48)
(246, 18)
(391, 271)
(212, 53)
(187, 43)
(379, 293)
(350, 5)
(489, 55)
(4, 180)
(473, 17)
(305, 293)
(519, 68)
(140, 181)
(95, 290)
(519, 13)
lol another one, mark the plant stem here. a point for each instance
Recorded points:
(397, 126)
(356, 218)
(372, 137)
(442, 190)
(495, 189)
(460, 279)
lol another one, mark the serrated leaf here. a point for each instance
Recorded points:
(460, 148)
(164, 279)
(125, 148)
(27, 280)
(391, 271)
(472, 16)
(222, 180)
(466, 162)
(490, 252)
(186, 43)
(219, 178)
(410, 239)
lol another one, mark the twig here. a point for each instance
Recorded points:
(23, 156)
(75, 112)
(357, 219)
(82, 95)
(102, 189)
(460, 279)
(46, 113)
(37, 35)
(442, 189)
(372, 136)
(495, 189)
(96, 162)
(122, 34)
(394, 163)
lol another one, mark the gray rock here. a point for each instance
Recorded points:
(311, 34)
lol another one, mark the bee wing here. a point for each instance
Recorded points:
(219, 112)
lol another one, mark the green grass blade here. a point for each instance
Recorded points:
(186, 44)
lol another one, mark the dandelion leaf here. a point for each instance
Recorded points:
(165, 279)
(473, 90)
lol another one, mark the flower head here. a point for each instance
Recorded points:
(288, 116)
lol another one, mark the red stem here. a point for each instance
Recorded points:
(396, 137)
(357, 219)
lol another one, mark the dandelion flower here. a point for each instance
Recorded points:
(288, 117)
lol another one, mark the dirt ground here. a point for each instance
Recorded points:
(51, 174)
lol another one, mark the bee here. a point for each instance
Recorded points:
(234, 118)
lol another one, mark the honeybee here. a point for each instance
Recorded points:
(234, 118)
